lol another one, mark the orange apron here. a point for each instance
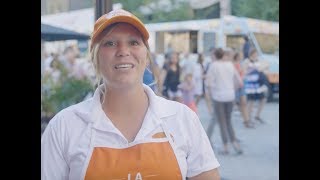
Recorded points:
(149, 160)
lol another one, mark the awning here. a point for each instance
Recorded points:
(52, 33)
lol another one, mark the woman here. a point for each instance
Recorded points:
(199, 78)
(172, 78)
(125, 131)
(220, 80)
(241, 99)
(187, 88)
(256, 84)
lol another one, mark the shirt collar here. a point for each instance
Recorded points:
(158, 108)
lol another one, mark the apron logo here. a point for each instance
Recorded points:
(138, 177)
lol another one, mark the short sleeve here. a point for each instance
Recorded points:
(53, 163)
(200, 157)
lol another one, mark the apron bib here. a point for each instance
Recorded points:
(147, 160)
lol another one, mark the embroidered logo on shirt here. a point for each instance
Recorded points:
(161, 135)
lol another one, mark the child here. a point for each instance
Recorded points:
(187, 88)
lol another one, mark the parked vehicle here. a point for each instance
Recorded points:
(199, 36)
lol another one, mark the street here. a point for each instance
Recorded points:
(260, 160)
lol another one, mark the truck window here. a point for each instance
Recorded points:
(269, 43)
(235, 42)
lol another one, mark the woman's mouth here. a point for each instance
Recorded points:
(124, 66)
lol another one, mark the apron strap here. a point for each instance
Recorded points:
(89, 152)
(172, 143)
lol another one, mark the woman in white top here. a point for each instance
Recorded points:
(125, 131)
(221, 78)
(199, 79)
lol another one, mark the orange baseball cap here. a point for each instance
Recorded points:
(117, 16)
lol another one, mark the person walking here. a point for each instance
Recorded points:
(241, 99)
(255, 85)
(199, 75)
(221, 81)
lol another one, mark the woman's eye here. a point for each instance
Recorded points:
(134, 43)
(109, 43)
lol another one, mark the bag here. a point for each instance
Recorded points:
(263, 80)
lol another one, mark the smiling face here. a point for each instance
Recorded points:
(122, 56)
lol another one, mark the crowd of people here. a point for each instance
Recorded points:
(227, 79)
(69, 63)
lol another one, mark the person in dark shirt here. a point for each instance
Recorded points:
(172, 78)
(246, 47)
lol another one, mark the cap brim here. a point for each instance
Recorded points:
(124, 19)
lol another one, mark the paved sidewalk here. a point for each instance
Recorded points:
(260, 160)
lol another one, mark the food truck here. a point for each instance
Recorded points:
(199, 36)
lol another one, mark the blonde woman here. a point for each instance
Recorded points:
(125, 131)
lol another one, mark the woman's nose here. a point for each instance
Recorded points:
(123, 49)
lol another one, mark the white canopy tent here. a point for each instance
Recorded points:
(81, 21)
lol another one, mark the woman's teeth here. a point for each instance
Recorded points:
(124, 66)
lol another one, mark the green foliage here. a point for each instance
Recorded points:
(208, 12)
(130, 5)
(133, 6)
(259, 9)
(67, 91)
(180, 10)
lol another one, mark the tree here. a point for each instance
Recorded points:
(259, 9)
(133, 6)
(174, 11)
(208, 12)
(181, 10)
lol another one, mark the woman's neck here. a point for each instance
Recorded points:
(125, 102)
(126, 110)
